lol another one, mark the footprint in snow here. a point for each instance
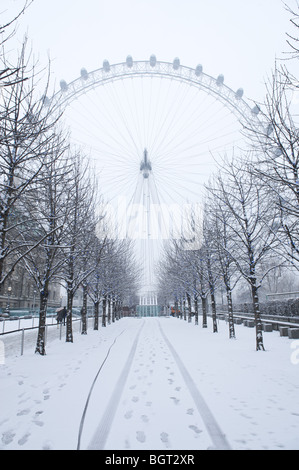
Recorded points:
(24, 439)
(8, 437)
(140, 436)
(36, 420)
(175, 400)
(23, 412)
(127, 444)
(164, 438)
(128, 414)
(195, 429)
(47, 445)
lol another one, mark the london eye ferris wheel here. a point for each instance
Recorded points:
(154, 130)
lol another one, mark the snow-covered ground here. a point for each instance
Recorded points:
(154, 383)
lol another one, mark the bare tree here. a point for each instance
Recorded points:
(253, 226)
(292, 38)
(27, 131)
(71, 273)
(94, 282)
(183, 275)
(10, 73)
(118, 277)
(212, 267)
(277, 160)
(47, 206)
(79, 237)
(218, 219)
(92, 258)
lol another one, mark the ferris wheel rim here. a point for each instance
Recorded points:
(88, 81)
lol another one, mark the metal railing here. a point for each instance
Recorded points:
(279, 319)
(13, 324)
(15, 342)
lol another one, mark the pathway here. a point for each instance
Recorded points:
(155, 402)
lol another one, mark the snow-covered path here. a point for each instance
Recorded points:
(156, 400)
(153, 384)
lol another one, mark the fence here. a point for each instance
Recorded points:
(17, 341)
(19, 323)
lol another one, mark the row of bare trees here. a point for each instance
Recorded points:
(250, 222)
(52, 217)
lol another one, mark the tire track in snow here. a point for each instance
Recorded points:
(218, 438)
(91, 389)
(101, 434)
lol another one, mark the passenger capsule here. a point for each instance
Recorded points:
(153, 60)
(239, 93)
(63, 85)
(198, 70)
(176, 63)
(269, 129)
(129, 61)
(255, 110)
(220, 80)
(84, 74)
(106, 66)
(46, 101)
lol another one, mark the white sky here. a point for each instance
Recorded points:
(237, 38)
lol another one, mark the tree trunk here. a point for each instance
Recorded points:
(109, 310)
(96, 315)
(104, 311)
(41, 336)
(204, 312)
(231, 325)
(184, 309)
(176, 309)
(113, 310)
(118, 311)
(257, 317)
(189, 307)
(69, 317)
(84, 311)
(4, 218)
(196, 308)
(214, 313)
(181, 309)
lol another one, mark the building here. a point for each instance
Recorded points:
(20, 292)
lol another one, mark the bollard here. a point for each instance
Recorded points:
(293, 333)
(283, 330)
(22, 342)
